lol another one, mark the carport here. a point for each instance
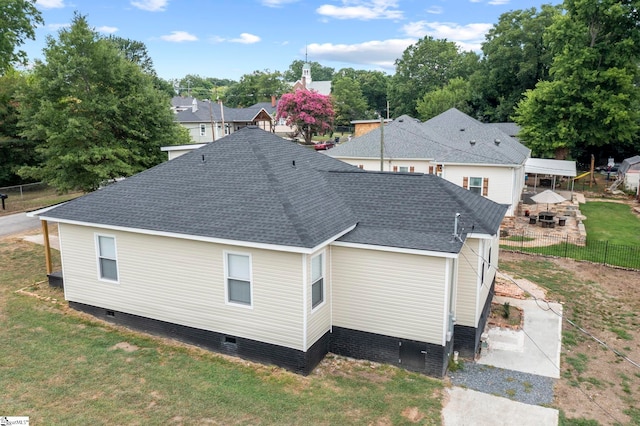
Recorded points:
(554, 168)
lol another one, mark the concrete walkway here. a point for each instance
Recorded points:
(467, 407)
(535, 349)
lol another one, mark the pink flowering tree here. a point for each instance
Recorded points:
(309, 111)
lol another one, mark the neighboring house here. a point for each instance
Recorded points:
(365, 126)
(209, 121)
(476, 156)
(258, 247)
(629, 172)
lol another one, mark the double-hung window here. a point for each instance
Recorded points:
(107, 260)
(203, 129)
(475, 185)
(317, 280)
(239, 278)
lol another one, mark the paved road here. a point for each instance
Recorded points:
(16, 223)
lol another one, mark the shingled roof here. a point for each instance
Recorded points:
(445, 138)
(205, 111)
(255, 187)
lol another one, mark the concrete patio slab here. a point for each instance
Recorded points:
(536, 348)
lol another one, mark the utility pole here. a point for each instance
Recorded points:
(213, 129)
(381, 143)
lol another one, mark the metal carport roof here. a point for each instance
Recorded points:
(542, 166)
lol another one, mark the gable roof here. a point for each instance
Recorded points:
(206, 110)
(631, 163)
(253, 186)
(445, 138)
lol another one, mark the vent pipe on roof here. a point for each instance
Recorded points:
(462, 130)
(293, 163)
(472, 142)
(497, 141)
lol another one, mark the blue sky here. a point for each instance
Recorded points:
(229, 38)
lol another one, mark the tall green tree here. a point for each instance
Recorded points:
(256, 87)
(98, 115)
(18, 18)
(310, 112)
(592, 102)
(427, 65)
(318, 72)
(515, 58)
(348, 100)
(15, 151)
(455, 94)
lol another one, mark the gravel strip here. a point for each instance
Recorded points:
(515, 385)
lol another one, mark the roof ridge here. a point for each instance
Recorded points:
(287, 206)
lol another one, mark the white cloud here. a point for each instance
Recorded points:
(435, 10)
(50, 4)
(179, 37)
(107, 29)
(246, 38)
(468, 37)
(363, 10)
(380, 53)
(151, 5)
(276, 3)
(56, 27)
(498, 2)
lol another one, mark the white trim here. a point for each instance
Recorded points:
(239, 243)
(305, 318)
(395, 249)
(226, 279)
(501, 165)
(96, 238)
(480, 236)
(191, 146)
(330, 251)
(323, 276)
(448, 295)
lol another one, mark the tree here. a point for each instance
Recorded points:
(318, 72)
(258, 86)
(18, 18)
(374, 85)
(99, 117)
(15, 151)
(454, 95)
(515, 58)
(309, 111)
(348, 100)
(425, 66)
(593, 99)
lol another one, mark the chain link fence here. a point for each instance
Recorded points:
(20, 198)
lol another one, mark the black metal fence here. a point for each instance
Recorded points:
(574, 248)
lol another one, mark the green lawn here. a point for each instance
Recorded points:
(62, 367)
(611, 222)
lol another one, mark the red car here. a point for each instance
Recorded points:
(320, 146)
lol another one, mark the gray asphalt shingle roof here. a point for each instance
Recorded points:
(256, 187)
(205, 111)
(440, 139)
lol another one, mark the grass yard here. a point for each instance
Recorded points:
(613, 222)
(59, 366)
(597, 387)
(34, 197)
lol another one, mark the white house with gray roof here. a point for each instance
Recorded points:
(257, 247)
(209, 121)
(476, 156)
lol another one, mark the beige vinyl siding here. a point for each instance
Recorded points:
(394, 294)
(183, 281)
(501, 181)
(178, 153)
(468, 284)
(319, 319)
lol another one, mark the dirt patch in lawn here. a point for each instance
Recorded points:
(504, 315)
(596, 383)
